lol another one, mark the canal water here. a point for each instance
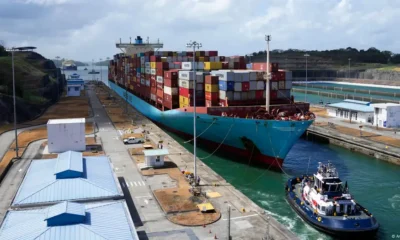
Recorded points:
(373, 183)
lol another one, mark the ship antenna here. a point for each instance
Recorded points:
(268, 39)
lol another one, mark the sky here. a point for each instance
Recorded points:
(88, 29)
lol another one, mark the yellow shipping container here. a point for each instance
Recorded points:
(181, 105)
(197, 54)
(152, 65)
(163, 59)
(183, 100)
(212, 65)
(217, 65)
(201, 59)
(212, 88)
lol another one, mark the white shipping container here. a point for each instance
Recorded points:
(189, 65)
(260, 85)
(237, 96)
(274, 86)
(245, 96)
(238, 87)
(288, 84)
(147, 65)
(252, 76)
(253, 85)
(153, 97)
(148, 83)
(186, 84)
(66, 134)
(153, 71)
(171, 91)
(224, 75)
(160, 79)
(199, 87)
(186, 75)
(281, 85)
(251, 95)
(147, 70)
(225, 94)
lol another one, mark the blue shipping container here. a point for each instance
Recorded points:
(226, 85)
(249, 66)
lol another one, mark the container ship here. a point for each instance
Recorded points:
(230, 99)
(69, 65)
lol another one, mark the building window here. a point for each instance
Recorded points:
(158, 159)
(76, 88)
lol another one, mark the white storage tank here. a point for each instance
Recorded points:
(66, 135)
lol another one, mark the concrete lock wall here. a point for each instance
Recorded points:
(66, 136)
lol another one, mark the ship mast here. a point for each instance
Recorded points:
(267, 90)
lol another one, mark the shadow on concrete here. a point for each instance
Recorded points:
(129, 201)
(142, 235)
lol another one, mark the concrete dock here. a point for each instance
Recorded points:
(151, 221)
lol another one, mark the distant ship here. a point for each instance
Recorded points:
(69, 65)
(93, 72)
(85, 69)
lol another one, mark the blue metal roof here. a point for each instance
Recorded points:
(66, 207)
(69, 165)
(42, 186)
(106, 220)
(155, 152)
(353, 105)
(75, 81)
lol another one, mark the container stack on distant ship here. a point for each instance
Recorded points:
(230, 99)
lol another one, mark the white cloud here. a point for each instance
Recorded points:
(90, 29)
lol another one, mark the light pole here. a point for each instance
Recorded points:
(194, 45)
(58, 80)
(267, 94)
(349, 68)
(305, 96)
(101, 70)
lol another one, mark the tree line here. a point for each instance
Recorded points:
(342, 55)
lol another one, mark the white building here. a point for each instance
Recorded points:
(387, 115)
(73, 90)
(352, 110)
(155, 157)
(66, 135)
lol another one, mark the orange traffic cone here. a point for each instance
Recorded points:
(215, 236)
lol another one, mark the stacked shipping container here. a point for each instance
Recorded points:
(166, 79)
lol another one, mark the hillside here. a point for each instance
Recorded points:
(36, 85)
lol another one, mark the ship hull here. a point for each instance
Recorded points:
(264, 142)
(70, 68)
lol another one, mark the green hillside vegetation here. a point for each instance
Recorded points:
(36, 84)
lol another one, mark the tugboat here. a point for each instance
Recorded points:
(323, 202)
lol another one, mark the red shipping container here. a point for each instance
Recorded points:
(242, 65)
(281, 76)
(171, 98)
(185, 91)
(171, 83)
(221, 58)
(153, 90)
(162, 65)
(211, 79)
(152, 78)
(259, 94)
(273, 94)
(171, 105)
(160, 93)
(155, 59)
(160, 86)
(245, 86)
(189, 54)
(213, 53)
(212, 96)
(171, 74)
(160, 100)
(159, 72)
(274, 76)
(147, 91)
(153, 83)
(225, 65)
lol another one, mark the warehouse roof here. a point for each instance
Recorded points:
(66, 120)
(97, 221)
(353, 105)
(68, 177)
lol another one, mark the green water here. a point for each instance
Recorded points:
(373, 183)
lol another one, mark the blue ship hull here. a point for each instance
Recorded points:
(272, 139)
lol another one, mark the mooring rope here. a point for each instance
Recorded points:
(219, 144)
(202, 132)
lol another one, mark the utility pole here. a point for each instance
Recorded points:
(305, 96)
(349, 68)
(229, 222)
(58, 80)
(194, 45)
(267, 94)
(15, 104)
(101, 70)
